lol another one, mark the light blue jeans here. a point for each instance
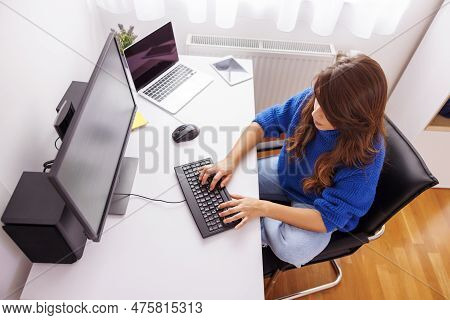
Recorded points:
(290, 244)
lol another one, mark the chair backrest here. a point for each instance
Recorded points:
(404, 176)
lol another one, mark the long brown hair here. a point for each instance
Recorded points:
(352, 94)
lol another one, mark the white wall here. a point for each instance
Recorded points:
(44, 46)
(393, 57)
(421, 93)
(425, 85)
(434, 147)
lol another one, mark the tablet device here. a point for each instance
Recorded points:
(231, 70)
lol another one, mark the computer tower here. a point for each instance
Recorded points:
(38, 221)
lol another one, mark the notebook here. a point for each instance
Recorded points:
(139, 121)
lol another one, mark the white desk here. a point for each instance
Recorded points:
(155, 251)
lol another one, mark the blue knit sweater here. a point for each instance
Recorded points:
(351, 195)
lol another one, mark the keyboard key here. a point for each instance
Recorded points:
(168, 83)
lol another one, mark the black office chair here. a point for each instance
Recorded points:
(404, 176)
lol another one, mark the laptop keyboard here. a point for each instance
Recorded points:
(167, 84)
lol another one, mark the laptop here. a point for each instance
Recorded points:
(157, 73)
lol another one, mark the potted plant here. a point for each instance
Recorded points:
(126, 38)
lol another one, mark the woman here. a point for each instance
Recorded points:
(328, 167)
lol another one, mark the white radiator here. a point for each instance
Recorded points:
(280, 68)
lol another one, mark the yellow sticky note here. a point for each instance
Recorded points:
(139, 121)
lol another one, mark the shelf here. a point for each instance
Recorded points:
(439, 123)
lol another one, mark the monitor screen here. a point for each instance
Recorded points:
(86, 166)
(151, 56)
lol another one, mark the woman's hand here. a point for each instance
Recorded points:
(251, 136)
(221, 170)
(242, 208)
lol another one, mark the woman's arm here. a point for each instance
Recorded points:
(303, 218)
(251, 136)
(248, 208)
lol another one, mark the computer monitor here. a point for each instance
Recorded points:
(86, 167)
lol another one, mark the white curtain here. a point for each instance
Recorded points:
(366, 16)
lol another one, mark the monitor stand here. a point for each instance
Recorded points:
(124, 184)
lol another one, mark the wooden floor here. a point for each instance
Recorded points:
(410, 261)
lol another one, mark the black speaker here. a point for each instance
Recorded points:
(38, 221)
(68, 106)
(63, 119)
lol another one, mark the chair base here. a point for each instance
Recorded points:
(306, 292)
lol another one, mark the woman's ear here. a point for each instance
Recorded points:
(316, 105)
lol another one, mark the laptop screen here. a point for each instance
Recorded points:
(152, 55)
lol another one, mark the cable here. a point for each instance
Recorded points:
(147, 198)
(56, 146)
(47, 165)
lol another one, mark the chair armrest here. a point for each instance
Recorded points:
(269, 145)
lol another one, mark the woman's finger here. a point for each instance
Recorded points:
(204, 177)
(228, 204)
(210, 171)
(230, 211)
(236, 196)
(242, 223)
(202, 171)
(236, 217)
(225, 181)
(217, 177)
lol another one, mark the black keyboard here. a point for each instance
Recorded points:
(201, 201)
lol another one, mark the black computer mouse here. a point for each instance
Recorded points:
(185, 132)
